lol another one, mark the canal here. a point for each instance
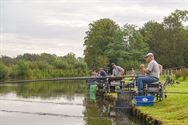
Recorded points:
(57, 103)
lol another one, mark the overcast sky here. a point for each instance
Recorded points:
(59, 26)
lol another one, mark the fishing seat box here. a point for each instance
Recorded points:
(144, 100)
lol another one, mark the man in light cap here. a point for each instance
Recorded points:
(117, 70)
(152, 72)
(149, 54)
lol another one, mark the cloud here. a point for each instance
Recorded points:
(59, 26)
(62, 22)
(12, 45)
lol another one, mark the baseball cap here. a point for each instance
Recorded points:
(149, 54)
(112, 64)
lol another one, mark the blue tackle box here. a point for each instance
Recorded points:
(144, 100)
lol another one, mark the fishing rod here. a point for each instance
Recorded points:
(69, 78)
(172, 92)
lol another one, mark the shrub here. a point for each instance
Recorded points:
(3, 71)
(182, 73)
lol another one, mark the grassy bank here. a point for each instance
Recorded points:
(174, 109)
(171, 111)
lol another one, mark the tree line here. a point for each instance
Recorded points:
(36, 66)
(106, 42)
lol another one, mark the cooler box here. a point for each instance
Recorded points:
(144, 100)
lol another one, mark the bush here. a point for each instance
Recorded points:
(42, 66)
(21, 70)
(3, 71)
(182, 73)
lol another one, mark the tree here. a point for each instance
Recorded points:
(98, 41)
(106, 42)
(21, 70)
(135, 46)
(3, 71)
(176, 19)
(154, 35)
(177, 36)
(49, 58)
(168, 40)
(28, 57)
(8, 61)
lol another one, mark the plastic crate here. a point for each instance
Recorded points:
(144, 100)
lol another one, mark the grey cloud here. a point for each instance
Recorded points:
(13, 46)
(59, 26)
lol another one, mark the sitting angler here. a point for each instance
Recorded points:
(102, 72)
(152, 72)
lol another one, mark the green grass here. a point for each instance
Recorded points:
(181, 79)
(174, 109)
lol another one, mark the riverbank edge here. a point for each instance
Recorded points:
(136, 113)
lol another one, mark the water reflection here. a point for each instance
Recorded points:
(56, 103)
(108, 113)
(92, 92)
(46, 89)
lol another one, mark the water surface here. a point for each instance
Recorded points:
(57, 103)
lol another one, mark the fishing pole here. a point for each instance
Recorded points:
(68, 78)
